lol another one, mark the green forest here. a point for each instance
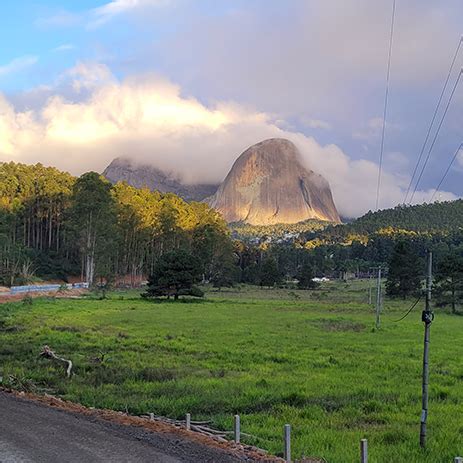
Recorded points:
(54, 226)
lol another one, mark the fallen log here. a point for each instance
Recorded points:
(49, 354)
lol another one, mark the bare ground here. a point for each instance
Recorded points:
(47, 429)
(68, 293)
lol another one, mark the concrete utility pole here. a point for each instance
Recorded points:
(369, 287)
(378, 300)
(427, 317)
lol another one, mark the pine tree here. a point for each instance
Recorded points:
(175, 274)
(224, 271)
(305, 277)
(93, 223)
(269, 274)
(405, 271)
(449, 280)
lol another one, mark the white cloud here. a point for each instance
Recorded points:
(374, 128)
(18, 64)
(107, 12)
(460, 157)
(397, 161)
(64, 47)
(315, 123)
(99, 16)
(60, 19)
(150, 120)
(87, 76)
(315, 57)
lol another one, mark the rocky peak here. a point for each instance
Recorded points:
(143, 175)
(268, 184)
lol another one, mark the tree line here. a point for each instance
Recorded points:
(53, 225)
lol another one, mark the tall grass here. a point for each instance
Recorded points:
(314, 361)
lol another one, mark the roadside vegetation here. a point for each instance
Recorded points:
(309, 358)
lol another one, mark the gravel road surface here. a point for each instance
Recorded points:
(33, 432)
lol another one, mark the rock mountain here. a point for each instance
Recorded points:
(139, 176)
(268, 184)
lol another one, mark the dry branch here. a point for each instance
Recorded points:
(49, 354)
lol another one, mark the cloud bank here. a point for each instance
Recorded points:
(327, 57)
(90, 118)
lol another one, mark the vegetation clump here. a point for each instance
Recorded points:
(174, 275)
(305, 277)
(405, 271)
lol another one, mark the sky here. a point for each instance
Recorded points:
(187, 85)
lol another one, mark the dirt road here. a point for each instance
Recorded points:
(33, 432)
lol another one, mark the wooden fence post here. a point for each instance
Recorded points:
(237, 429)
(363, 451)
(287, 441)
(188, 421)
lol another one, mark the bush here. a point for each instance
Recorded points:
(174, 275)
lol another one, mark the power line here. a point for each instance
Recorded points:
(386, 97)
(407, 313)
(434, 117)
(447, 171)
(436, 135)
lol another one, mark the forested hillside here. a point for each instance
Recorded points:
(369, 240)
(442, 218)
(53, 225)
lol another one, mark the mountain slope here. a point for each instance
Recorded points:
(140, 176)
(268, 185)
(441, 218)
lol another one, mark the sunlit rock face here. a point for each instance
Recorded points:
(268, 184)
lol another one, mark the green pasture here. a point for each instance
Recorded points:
(310, 359)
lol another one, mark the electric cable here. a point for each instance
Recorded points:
(447, 171)
(386, 97)
(436, 134)
(420, 157)
(409, 310)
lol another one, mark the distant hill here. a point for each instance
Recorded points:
(425, 219)
(436, 218)
(139, 176)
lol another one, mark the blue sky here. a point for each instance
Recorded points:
(87, 78)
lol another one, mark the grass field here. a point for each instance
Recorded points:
(313, 360)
